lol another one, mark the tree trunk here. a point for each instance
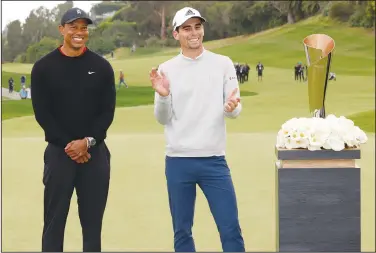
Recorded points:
(290, 17)
(163, 23)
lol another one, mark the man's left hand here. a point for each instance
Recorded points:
(76, 148)
(232, 102)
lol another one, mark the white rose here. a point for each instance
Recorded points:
(302, 143)
(334, 142)
(349, 138)
(281, 140)
(360, 135)
(316, 141)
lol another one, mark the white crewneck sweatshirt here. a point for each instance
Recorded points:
(193, 113)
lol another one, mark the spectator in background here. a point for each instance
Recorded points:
(23, 93)
(260, 69)
(23, 81)
(121, 80)
(11, 85)
(296, 71)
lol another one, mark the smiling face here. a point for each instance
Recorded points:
(190, 34)
(75, 34)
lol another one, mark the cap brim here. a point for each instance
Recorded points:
(89, 21)
(202, 19)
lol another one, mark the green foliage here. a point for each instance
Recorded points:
(310, 8)
(369, 18)
(152, 41)
(38, 50)
(263, 16)
(356, 13)
(104, 25)
(21, 58)
(341, 11)
(121, 33)
(15, 43)
(101, 45)
(357, 19)
(106, 7)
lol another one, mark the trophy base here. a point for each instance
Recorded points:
(318, 201)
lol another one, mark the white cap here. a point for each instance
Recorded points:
(184, 14)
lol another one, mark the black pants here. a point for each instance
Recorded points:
(301, 76)
(91, 180)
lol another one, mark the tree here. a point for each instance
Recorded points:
(41, 48)
(107, 6)
(5, 53)
(14, 39)
(101, 45)
(370, 14)
(160, 10)
(58, 11)
(287, 8)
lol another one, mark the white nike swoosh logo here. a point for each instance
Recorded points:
(90, 72)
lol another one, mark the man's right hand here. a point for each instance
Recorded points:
(83, 158)
(159, 83)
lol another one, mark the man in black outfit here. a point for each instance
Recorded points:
(74, 102)
(260, 69)
(296, 71)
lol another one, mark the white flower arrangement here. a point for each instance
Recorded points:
(319, 133)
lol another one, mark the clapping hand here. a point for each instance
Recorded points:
(232, 101)
(159, 83)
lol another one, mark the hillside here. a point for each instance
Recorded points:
(279, 47)
(354, 52)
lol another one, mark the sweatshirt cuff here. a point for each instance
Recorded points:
(164, 100)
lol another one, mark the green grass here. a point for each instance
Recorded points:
(125, 97)
(16, 77)
(137, 145)
(16, 108)
(133, 96)
(364, 120)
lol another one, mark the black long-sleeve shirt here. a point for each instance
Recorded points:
(73, 97)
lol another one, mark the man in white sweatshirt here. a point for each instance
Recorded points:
(195, 91)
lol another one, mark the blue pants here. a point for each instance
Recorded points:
(213, 177)
(122, 82)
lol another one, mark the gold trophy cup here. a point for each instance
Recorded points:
(319, 52)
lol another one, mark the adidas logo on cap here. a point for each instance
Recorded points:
(189, 12)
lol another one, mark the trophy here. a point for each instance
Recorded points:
(319, 52)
